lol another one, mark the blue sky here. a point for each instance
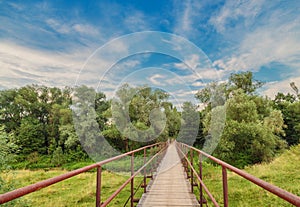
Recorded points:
(49, 42)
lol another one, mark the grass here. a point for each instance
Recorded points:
(283, 172)
(76, 191)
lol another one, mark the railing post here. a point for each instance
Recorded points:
(98, 186)
(145, 174)
(132, 181)
(192, 173)
(225, 186)
(200, 176)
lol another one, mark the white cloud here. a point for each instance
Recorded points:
(85, 29)
(25, 65)
(59, 27)
(72, 28)
(157, 79)
(263, 46)
(185, 13)
(199, 84)
(272, 37)
(192, 62)
(236, 10)
(135, 21)
(271, 89)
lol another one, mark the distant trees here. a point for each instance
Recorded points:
(39, 121)
(289, 105)
(252, 127)
(141, 115)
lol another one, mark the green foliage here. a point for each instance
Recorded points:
(190, 123)
(7, 150)
(244, 81)
(76, 191)
(282, 172)
(289, 105)
(58, 157)
(30, 136)
(252, 127)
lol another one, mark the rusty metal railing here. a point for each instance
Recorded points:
(9, 196)
(184, 149)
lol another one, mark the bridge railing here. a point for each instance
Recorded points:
(185, 149)
(156, 158)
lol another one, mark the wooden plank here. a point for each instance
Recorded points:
(170, 186)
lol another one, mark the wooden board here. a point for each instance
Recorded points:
(170, 186)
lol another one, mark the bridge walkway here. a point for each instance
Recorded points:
(170, 186)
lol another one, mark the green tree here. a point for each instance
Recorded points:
(252, 126)
(244, 81)
(8, 149)
(246, 139)
(58, 157)
(189, 123)
(30, 137)
(289, 105)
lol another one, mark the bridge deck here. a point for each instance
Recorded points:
(170, 186)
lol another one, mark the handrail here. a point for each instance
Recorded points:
(6, 197)
(289, 197)
(199, 179)
(130, 179)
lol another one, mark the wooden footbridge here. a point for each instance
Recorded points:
(172, 174)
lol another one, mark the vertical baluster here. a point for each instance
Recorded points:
(192, 173)
(225, 186)
(98, 186)
(132, 181)
(145, 173)
(200, 176)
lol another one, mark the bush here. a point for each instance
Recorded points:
(58, 157)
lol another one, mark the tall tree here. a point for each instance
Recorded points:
(190, 123)
(252, 126)
(244, 81)
(289, 105)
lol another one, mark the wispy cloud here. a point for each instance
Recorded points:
(186, 15)
(26, 65)
(272, 88)
(235, 11)
(265, 32)
(69, 28)
(157, 79)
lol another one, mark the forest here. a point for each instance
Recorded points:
(37, 128)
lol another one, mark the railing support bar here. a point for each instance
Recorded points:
(132, 182)
(200, 176)
(145, 174)
(225, 186)
(98, 187)
(192, 174)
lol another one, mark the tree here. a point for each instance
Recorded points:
(58, 157)
(252, 127)
(10, 112)
(8, 149)
(190, 123)
(244, 81)
(30, 137)
(289, 105)
(140, 114)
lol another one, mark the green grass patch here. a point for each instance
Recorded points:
(283, 172)
(76, 191)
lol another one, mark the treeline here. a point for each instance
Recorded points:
(37, 124)
(256, 128)
(38, 121)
